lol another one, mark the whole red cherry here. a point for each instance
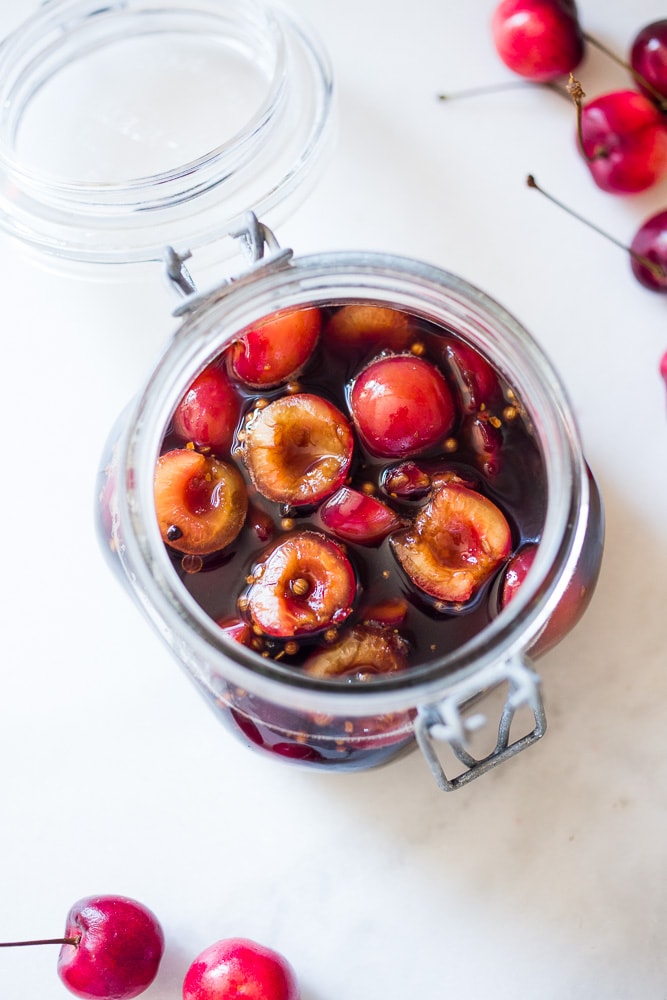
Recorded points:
(648, 58)
(623, 139)
(401, 406)
(238, 968)
(538, 39)
(111, 949)
(648, 253)
(119, 945)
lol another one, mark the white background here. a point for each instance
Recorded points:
(547, 878)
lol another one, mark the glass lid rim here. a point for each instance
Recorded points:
(40, 178)
(130, 220)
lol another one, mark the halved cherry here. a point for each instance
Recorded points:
(361, 652)
(302, 584)
(209, 411)
(237, 629)
(370, 327)
(401, 406)
(483, 435)
(474, 376)
(405, 481)
(276, 349)
(391, 612)
(200, 501)
(357, 517)
(455, 543)
(298, 449)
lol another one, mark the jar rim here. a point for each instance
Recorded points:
(429, 290)
(195, 199)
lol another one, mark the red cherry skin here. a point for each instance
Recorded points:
(209, 412)
(237, 967)
(648, 58)
(236, 629)
(119, 949)
(516, 572)
(624, 140)
(476, 381)
(401, 406)
(356, 517)
(538, 39)
(405, 481)
(650, 243)
(275, 350)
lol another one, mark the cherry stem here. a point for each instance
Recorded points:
(576, 92)
(23, 944)
(660, 98)
(493, 88)
(656, 270)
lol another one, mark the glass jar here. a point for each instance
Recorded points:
(327, 722)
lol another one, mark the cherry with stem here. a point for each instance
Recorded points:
(659, 98)
(649, 272)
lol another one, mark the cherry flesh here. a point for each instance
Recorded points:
(401, 406)
(274, 351)
(623, 140)
(238, 967)
(455, 543)
(209, 412)
(200, 501)
(391, 612)
(354, 516)
(362, 651)
(118, 945)
(540, 40)
(298, 449)
(304, 583)
(369, 327)
(648, 58)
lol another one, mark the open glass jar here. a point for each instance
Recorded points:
(90, 172)
(379, 699)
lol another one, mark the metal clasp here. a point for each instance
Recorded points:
(260, 247)
(444, 722)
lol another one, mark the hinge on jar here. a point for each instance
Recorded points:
(255, 239)
(444, 722)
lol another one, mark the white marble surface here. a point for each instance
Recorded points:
(547, 878)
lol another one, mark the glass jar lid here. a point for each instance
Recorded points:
(129, 125)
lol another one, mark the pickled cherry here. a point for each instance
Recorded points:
(274, 350)
(401, 406)
(209, 411)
